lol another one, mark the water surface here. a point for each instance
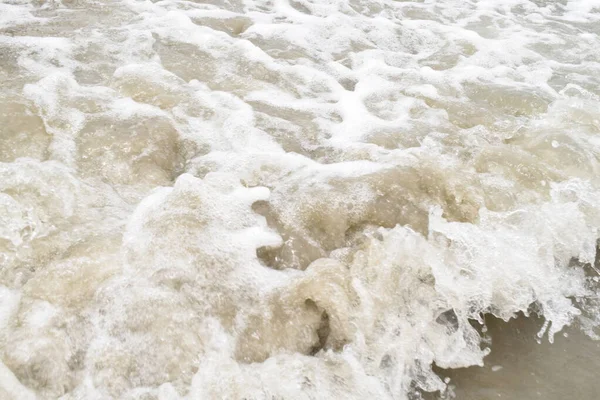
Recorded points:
(295, 199)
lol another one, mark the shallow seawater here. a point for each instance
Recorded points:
(522, 367)
(295, 199)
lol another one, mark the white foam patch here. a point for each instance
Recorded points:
(12, 15)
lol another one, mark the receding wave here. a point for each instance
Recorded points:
(290, 199)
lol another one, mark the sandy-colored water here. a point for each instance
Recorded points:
(294, 199)
(521, 367)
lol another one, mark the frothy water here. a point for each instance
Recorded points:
(290, 199)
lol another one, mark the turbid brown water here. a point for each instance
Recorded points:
(296, 199)
(522, 367)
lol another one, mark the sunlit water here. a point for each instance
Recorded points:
(295, 199)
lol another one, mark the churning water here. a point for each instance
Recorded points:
(299, 199)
